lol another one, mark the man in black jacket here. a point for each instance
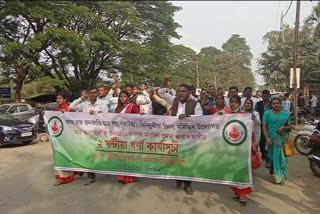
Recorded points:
(262, 107)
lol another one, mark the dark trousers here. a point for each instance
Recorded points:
(186, 183)
(262, 145)
(91, 175)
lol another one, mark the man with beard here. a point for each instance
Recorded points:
(182, 106)
(129, 89)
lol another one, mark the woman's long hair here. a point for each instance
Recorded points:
(276, 98)
(219, 95)
(250, 102)
(120, 105)
(236, 97)
(63, 95)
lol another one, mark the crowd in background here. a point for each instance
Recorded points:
(271, 118)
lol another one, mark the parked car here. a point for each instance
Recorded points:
(14, 131)
(35, 116)
(15, 109)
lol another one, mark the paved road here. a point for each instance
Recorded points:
(26, 178)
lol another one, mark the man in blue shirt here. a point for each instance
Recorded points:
(212, 95)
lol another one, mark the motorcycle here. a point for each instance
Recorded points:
(304, 112)
(314, 155)
(302, 140)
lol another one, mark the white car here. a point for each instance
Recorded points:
(15, 109)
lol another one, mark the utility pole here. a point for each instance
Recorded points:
(197, 67)
(215, 80)
(281, 27)
(296, 42)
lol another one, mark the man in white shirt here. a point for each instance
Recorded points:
(182, 106)
(233, 90)
(141, 97)
(184, 94)
(94, 106)
(248, 95)
(102, 93)
(106, 96)
(286, 103)
(314, 103)
(84, 97)
(113, 101)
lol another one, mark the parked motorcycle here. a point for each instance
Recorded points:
(302, 140)
(314, 155)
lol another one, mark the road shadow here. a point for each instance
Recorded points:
(31, 180)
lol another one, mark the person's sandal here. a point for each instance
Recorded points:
(282, 184)
(243, 202)
(57, 183)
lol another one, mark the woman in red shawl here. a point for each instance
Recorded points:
(62, 176)
(219, 107)
(125, 107)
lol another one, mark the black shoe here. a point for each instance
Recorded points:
(263, 157)
(91, 181)
(243, 202)
(81, 174)
(178, 184)
(122, 182)
(268, 164)
(188, 190)
(271, 171)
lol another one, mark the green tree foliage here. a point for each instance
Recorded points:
(36, 88)
(229, 66)
(21, 39)
(77, 42)
(80, 43)
(223, 68)
(275, 63)
(237, 47)
(314, 18)
(182, 67)
(208, 65)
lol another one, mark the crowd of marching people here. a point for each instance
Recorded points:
(271, 119)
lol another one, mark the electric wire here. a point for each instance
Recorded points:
(288, 9)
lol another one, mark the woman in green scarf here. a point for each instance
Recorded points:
(276, 124)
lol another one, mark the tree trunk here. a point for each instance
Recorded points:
(21, 75)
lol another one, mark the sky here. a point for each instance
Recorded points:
(211, 23)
